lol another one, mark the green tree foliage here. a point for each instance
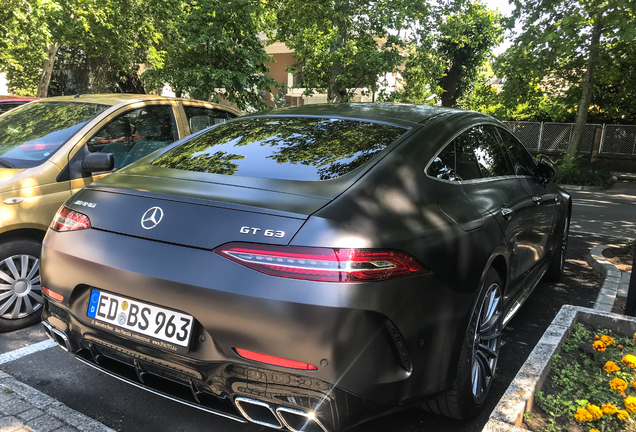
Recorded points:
(344, 45)
(561, 43)
(212, 49)
(121, 31)
(449, 50)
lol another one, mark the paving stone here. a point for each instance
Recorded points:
(45, 423)
(30, 414)
(10, 424)
(66, 428)
(14, 406)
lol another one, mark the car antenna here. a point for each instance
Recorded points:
(81, 93)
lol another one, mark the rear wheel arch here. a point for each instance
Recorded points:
(30, 233)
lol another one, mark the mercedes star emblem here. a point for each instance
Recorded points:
(151, 218)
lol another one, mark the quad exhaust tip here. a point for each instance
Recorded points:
(57, 336)
(281, 417)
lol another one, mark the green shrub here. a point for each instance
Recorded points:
(569, 171)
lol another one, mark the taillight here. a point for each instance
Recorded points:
(323, 264)
(276, 361)
(69, 220)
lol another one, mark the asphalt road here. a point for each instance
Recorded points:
(611, 213)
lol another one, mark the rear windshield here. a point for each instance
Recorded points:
(290, 148)
(31, 134)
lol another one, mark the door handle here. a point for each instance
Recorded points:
(507, 212)
(536, 200)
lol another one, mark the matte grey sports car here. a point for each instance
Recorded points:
(309, 268)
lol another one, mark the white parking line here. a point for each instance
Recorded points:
(21, 352)
(588, 205)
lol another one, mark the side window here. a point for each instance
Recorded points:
(200, 118)
(522, 162)
(135, 134)
(479, 154)
(443, 165)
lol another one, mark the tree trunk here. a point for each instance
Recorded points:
(47, 69)
(449, 83)
(588, 88)
(334, 92)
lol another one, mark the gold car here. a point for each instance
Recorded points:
(51, 148)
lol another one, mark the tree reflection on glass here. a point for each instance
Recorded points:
(294, 148)
(33, 132)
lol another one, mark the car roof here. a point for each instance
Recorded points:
(375, 111)
(117, 98)
(14, 98)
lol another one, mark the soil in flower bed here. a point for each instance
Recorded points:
(622, 257)
(591, 385)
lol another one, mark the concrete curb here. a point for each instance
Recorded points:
(616, 282)
(23, 408)
(582, 188)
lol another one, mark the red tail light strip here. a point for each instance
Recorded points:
(276, 361)
(69, 220)
(52, 294)
(323, 264)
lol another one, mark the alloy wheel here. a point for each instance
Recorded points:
(20, 288)
(486, 342)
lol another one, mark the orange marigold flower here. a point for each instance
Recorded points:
(630, 403)
(618, 384)
(599, 346)
(633, 383)
(583, 415)
(610, 367)
(596, 411)
(607, 340)
(594, 430)
(597, 337)
(629, 361)
(622, 415)
(609, 409)
(621, 347)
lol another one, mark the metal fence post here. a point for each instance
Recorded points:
(540, 136)
(600, 148)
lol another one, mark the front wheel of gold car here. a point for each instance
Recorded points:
(20, 287)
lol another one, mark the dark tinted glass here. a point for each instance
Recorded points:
(135, 134)
(443, 166)
(32, 133)
(294, 148)
(200, 118)
(4, 107)
(479, 154)
(521, 160)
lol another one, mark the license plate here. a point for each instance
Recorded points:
(137, 320)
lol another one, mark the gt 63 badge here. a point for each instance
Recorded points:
(266, 233)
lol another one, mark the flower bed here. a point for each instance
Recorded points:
(518, 399)
(591, 385)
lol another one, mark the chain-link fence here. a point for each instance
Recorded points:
(615, 139)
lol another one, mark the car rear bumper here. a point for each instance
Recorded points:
(377, 346)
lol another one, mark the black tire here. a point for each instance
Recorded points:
(20, 288)
(557, 262)
(478, 357)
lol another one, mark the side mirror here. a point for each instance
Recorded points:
(98, 162)
(547, 171)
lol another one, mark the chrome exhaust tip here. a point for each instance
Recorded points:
(258, 412)
(57, 336)
(299, 421)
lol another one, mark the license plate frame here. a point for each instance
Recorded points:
(141, 321)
